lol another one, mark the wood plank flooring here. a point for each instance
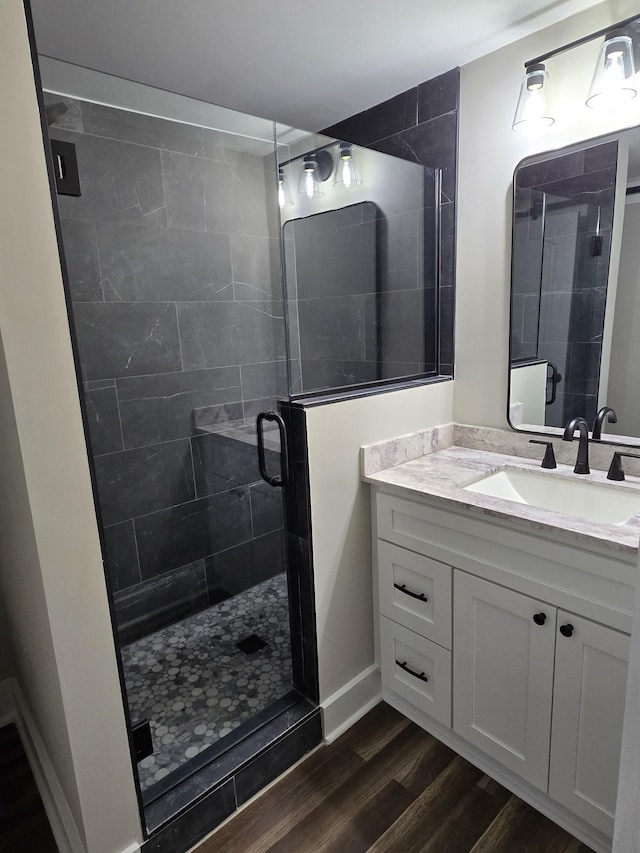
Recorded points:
(386, 786)
(24, 827)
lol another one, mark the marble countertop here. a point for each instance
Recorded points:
(441, 476)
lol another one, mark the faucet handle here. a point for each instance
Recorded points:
(549, 460)
(615, 469)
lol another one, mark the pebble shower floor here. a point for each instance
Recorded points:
(195, 686)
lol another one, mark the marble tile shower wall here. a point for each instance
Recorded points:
(421, 125)
(174, 272)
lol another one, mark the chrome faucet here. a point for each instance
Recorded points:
(582, 461)
(606, 413)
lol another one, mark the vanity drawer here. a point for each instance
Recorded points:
(416, 669)
(416, 592)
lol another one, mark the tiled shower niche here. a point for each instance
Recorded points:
(173, 267)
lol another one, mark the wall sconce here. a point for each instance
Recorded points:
(347, 174)
(284, 196)
(532, 113)
(613, 82)
(316, 168)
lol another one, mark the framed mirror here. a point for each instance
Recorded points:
(575, 288)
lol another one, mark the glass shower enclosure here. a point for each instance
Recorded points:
(171, 239)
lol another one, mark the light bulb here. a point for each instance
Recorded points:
(309, 183)
(614, 78)
(347, 174)
(284, 197)
(532, 114)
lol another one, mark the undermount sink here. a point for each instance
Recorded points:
(597, 502)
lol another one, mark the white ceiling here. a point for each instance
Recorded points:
(307, 65)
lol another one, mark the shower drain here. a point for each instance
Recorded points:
(251, 644)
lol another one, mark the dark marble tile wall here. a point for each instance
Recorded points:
(559, 285)
(174, 272)
(421, 125)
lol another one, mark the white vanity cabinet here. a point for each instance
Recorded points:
(511, 648)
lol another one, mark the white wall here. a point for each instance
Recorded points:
(488, 154)
(341, 517)
(51, 576)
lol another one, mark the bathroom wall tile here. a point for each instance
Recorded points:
(432, 144)
(218, 418)
(448, 245)
(243, 566)
(322, 373)
(104, 420)
(447, 322)
(118, 340)
(341, 328)
(226, 333)
(152, 604)
(191, 531)
(252, 408)
(71, 119)
(565, 316)
(144, 264)
(266, 508)
(221, 462)
(385, 119)
(121, 555)
(401, 258)
(235, 199)
(81, 256)
(128, 126)
(256, 265)
(601, 156)
(119, 181)
(439, 95)
(277, 758)
(213, 144)
(161, 407)
(551, 169)
(336, 262)
(265, 379)
(402, 324)
(192, 825)
(134, 482)
(184, 181)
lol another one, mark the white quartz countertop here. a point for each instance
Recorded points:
(441, 476)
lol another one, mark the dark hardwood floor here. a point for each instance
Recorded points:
(24, 827)
(386, 786)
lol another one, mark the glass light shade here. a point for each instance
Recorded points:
(614, 80)
(284, 196)
(532, 113)
(347, 174)
(309, 186)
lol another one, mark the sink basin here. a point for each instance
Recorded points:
(597, 502)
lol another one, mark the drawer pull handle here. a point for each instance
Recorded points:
(540, 618)
(419, 595)
(420, 675)
(566, 630)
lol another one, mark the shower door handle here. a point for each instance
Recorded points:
(277, 480)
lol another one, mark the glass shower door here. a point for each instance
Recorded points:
(173, 266)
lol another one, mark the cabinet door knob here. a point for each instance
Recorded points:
(566, 630)
(540, 618)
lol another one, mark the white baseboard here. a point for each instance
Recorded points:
(61, 819)
(346, 706)
(7, 703)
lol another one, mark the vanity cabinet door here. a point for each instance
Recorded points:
(503, 674)
(588, 709)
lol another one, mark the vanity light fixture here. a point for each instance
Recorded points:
(347, 174)
(316, 168)
(532, 113)
(284, 196)
(613, 82)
